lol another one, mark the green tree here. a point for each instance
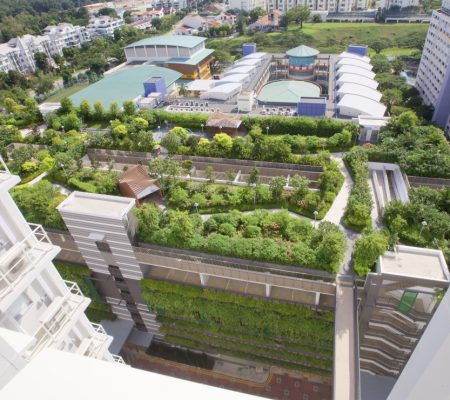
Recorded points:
(171, 142)
(299, 14)
(149, 218)
(85, 110)
(379, 44)
(380, 63)
(398, 65)
(277, 185)
(180, 226)
(253, 176)
(209, 174)
(99, 111)
(41, 61)
(392, 97)
(66, 106)
(43, 83)
(129, 108)
(367, 250)
(255, 13)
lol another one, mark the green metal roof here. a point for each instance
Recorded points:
(288, 92)
(302, 51)
(194, 60)
(123, 85)
(170, 40)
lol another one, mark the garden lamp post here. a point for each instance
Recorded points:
(62, 128)
(267, 130)
(220, 128)
(202, 125)
(424, 224)
(315, 216)
(196, 206)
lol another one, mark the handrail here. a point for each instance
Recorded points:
(3, 167)
(24, 249)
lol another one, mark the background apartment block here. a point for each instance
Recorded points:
(433, 76)
(18, 53)
(104, 25)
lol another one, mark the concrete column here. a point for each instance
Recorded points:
(268, 287)
(317, 300)
(204, 279)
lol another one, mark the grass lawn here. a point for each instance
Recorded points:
(330, 37)
(66, 92)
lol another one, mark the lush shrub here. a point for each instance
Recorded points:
(38, 204)
(405, 220)
(234, 235)
(367, 249)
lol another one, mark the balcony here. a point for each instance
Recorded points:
(19, 259)
(61, 314)
(96, 345)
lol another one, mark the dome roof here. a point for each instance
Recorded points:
(302, 51)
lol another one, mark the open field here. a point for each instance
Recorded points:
(331, 37)
(66, 92)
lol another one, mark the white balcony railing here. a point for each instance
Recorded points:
(118, 359)
(57, 316)
(4, 171)
(20, 258)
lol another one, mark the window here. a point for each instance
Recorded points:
(102, 245)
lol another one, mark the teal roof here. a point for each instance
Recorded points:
(194, 60)
(302, 51)
(169, 40)
(123, 85)
(288, 91)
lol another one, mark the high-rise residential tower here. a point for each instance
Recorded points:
(433, 76)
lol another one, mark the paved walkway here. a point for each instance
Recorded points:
(38, 178)
(277, 386)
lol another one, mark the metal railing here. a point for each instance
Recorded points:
(20, 257)
(56, 321)
(4, 170)
(118, 359)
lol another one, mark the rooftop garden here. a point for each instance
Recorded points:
(262, 235)
(270, 332)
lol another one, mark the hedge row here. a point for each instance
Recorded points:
(306, 126)
(359, 205)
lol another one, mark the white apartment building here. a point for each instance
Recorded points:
(67, 34)
(18, 53)
(398, 3)
(38, 309)
(433, 80)
(314, 5)
(247, 5)
(104, 25)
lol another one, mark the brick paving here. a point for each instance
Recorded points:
(279, 385)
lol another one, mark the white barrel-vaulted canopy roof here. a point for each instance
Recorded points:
(350, 69)
(353, 105)
(222, 92)
(346, 54)
(361, 80)
(355, 63)
(244, 69)
(360, 90)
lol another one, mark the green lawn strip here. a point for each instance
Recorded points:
(244, 341)
(249, 348)
(240, 354)
(325, 348)
(65, 92)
